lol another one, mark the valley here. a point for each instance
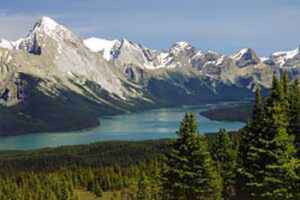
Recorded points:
(52, 80)
(136, 126)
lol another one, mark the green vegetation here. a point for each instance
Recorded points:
(241, 112)
(189, 172)
(269, 168)
(258, 163)
(225, 154)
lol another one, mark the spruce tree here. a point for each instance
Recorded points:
(279, 169)
(156, 181)
(189, 172)
(294, 127)
(144, 188)
(98, 191)
(277, 107)
(252, 150)
(285, 83)
(226, 156)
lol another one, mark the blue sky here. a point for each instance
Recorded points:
(225, 26)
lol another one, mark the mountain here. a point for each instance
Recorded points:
(286, 58)
(53, 80)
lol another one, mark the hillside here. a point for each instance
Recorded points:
(54, 80)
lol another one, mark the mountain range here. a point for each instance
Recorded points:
(54, 80)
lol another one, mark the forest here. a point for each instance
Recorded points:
(260, 162)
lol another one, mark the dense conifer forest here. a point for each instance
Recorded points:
(260, 162)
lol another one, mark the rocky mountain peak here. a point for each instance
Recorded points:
(179, 47)
(286, 58)
(245, 57)
(47, 26)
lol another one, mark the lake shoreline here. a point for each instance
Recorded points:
(135, 126)
(241, 112)
(97, 122)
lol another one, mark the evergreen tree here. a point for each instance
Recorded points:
(189, 172)
(65, 193)
(280, 173)
(226, 157)
(285, 83)
(156, 181)
(144, 188)
(252, 150)
(276, 167)
(294, 127)
(277, 108)
(98, 191)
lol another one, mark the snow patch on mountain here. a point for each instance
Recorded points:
(163, 60)
(97, 45)
(239, 55)
(179, 47)
(47, 26)
(6, 44)
(263, 59)
(281, 58)
(287, 54)
(220, 60)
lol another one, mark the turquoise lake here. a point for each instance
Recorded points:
(150, 124)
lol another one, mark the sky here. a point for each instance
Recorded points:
(225, 26)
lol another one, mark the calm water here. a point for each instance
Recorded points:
(152, 124)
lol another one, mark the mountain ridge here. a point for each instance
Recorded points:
(52, 80)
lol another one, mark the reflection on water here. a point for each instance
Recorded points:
(152, 124)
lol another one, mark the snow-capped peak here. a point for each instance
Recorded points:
(98, 44)
(6, 44)
(281, 58)
(179, 47)
(49, 23)
(48, 26)
(181, 44)
(287, 54)
(240, 54)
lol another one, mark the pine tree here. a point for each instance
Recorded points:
(285, 83)
(65, 193)
(280, 173)
(294, 127)
(272, 165)
(252, 150)
(277, 108)
(144, 188)
(156, 181)
(226, 157)
(98, 191)
(189, 172)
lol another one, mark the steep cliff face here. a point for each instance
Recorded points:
(54, 80)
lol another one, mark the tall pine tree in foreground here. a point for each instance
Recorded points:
(294, 127)
(280, 173)
(225, 155)
(269, 166)
(189, 172)
(252, 149)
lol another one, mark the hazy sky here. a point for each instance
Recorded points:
(220, 25)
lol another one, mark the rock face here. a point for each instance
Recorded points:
(53, 80)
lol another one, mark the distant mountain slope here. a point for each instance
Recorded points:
(54, 80)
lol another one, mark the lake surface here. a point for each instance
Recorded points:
(151, 124)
